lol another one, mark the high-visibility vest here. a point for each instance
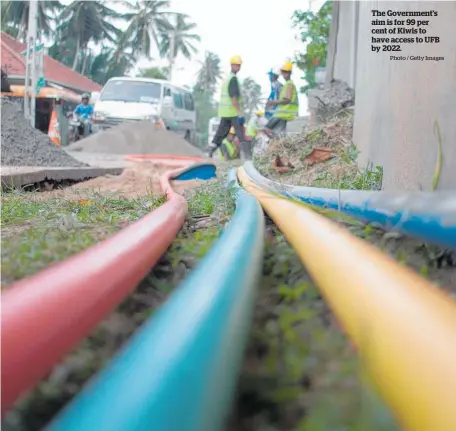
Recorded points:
(291, 110)
(230, 147)
(252, 128)
(226, 108)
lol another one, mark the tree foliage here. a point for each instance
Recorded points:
(314, 31)
(205, 109)
(86, 22)
(251, 95)
(183, 38)
(209, 73)
(154, 73)
(86, 35)
(207, 78)
(15, 17)
(147, 21)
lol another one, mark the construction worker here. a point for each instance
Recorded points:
(287, 105)
(254, 126)
(276, 88)
(230, 110)
(228, 148)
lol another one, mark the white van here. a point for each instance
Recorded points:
(212, 128)
(136, 99)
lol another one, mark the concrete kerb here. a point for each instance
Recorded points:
(20, 176)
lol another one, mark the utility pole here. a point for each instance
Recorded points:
(31, 64)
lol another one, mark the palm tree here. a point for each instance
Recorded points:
(63, 49)
(109, 63)
(154, 73)
(180, 37)
(148, 20)
(209, 73)
(15, 17)
(85, 22)
(251, 95)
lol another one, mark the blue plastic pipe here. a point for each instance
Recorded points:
(428, 216)
(204, 171)
(178, 373)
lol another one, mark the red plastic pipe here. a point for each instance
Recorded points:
(46, 315)
(164, 159)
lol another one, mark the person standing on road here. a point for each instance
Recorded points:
(287, 105)
(231, 111)
(276, 88)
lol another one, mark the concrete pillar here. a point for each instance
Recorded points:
(397, 102)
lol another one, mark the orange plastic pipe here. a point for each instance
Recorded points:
(164, 159)
(46, 315)
(403, 326)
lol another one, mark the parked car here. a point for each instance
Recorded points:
(136, 99)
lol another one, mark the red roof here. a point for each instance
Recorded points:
(14, 64)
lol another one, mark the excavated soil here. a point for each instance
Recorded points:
(23, 145)
(139, 179)
(135, 181)
(136, 138)
(335, 135)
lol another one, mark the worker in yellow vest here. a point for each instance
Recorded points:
(231, 111)
(287, 104)
(228, 149)
(254, 126)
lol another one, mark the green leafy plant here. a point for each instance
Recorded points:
(314, 31)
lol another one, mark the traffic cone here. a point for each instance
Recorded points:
(54, 129)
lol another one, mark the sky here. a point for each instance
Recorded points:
(257, 30)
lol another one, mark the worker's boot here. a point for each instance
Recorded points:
(211, 150)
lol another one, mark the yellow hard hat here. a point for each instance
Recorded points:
(236, 60)
(287, 66)
(260, 112)
(232, 131)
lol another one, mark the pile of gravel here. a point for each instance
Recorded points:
(136, 138)
(22, 145)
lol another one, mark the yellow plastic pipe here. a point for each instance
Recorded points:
(403, 327)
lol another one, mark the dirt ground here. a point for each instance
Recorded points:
(136, 180)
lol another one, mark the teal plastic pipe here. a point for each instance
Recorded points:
(179, 371)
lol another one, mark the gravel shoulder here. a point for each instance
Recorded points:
(23, 145)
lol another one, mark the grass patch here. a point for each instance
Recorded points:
(300, 372)
(39, 230)
(94, 217)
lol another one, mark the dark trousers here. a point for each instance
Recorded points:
(276, 124)
(223, 130)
